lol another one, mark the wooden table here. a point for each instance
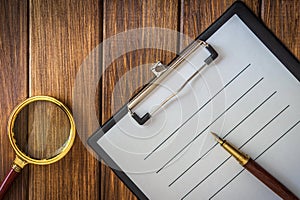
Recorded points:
(42, 45)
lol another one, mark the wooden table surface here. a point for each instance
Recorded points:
(42, 45)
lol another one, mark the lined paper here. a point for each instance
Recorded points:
(247, 96)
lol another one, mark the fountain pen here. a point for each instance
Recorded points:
(255, 169)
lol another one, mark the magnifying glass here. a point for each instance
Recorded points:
(41, 131)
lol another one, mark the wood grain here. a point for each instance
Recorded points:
(13, 82)
(283, 18)
(62, 34)
(118, 17)
(196, 16)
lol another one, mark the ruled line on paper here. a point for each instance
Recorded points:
(278, 139)
(165, 140)
(227, 183)
(254, 135)
(212, 147)
(255, 159)
(265, 126)
(197, 136)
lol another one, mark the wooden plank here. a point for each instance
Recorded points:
(197, 15)
(13, 82)
(283, 18)
(120, 16)
(62, 34)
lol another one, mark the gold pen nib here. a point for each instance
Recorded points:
(217, 138)
(236, 153)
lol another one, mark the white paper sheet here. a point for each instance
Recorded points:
(246, 96)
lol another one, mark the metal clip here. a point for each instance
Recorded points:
(161, 72)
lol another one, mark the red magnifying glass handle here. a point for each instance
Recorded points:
(8, 180)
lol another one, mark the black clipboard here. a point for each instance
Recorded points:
(256, 26)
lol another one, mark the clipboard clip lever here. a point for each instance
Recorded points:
(161, 71)
(158, 68)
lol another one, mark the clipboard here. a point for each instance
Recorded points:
(268, 39)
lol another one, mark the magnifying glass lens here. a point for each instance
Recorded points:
(41, 130)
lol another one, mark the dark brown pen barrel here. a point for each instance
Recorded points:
(265, 177)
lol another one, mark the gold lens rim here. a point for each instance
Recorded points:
(67, 145)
